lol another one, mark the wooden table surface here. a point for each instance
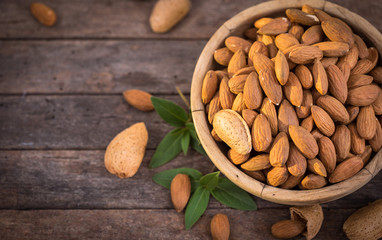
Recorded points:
(61, 103)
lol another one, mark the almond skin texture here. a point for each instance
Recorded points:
(357, 142)
(317, 167)
(253, 94)
(337, 84)
(167, 13)
(287, 116)
(281, 68)
(305, 76)
(214, 107)
(363, 96)
(377, 105)
(346, 169)
(308, 123)
(238, 104)
(334, 108)
(277, 176)
(312, 35)
(279, 151)
(287, 229)
(44, 14)
(209, 87)
(304, 141)
(269, 110)
(233, 130)
(305, 54)
(220, 228)
(293, 90)
(180, 191)
(249, 116)
(337, 32)
(226, 97)
(237, 158)
(285, 40)
(236, 84)
(141, 100)
(361, 45)
(353, 113)
(262, 62)
(261, 133)
(298, 16)
(366, 125)
(259, 23)
(333, 49)
(237, 62)
(323, 121)
(275, 27)
(125, 152)
(376, 141)
(258, 47)
(327, 153)
(291, 182)
(352, 56)
(270, 85)
(342, 142)
(297, 31)
(320, 77)
(365, 156)
(215, 136)
(235, 44)
(313, 181)
(223, 56)
(296, 163)
(256, 163)
(307, 103)
(377, 74)
(258, 175)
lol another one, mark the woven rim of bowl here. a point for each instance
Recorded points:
(264, 191)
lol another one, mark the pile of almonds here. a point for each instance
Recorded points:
(299, 100)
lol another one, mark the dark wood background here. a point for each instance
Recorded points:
(61, 103)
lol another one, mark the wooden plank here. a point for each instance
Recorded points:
(96, 67)
(78, 179)
(151, 224)
(129, 19)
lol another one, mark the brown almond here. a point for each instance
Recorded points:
(220, 228)
(373, 57)
(363, 96)
(317, 167)
(334, 108)
(327, 153)
(313, 181)
(323, 121)
(226, 97)
(244, 71)
(365, 156)
(291, 182)
(305, 54)
(297, 31)
(363, 66)
(285, 40)
(358, 80)
(293, 90)
(279, 151)
(327, 61)
(277, 176)
(305, 76)
(312, 35)
(270, 85)
(236, 84)
(272, 50)
(361, 45)
(287, 116)
(352, 56)
(262, 21)
(316, 134)
(337, 32)
(333, 49)
(44, 14)
(321, 15)
(249, 116)
(346, 169)
(337, 83)
(377, 105)
(261, 133)
(258, 175)
(269, 110)
(215, 136)
(307, 9)
(357, 142)
(320, 77)
(304, 141)
(281, 68)
(377, 74)
(342, 142)
(258, 47)
(209, 87)
(221, 74)
(366, 124)
(307, 102)
(235, 44)
(259, 162)
(214, 107)
(180, 191)
(275, 27)
(353, 113)
(237, 62)
(287, 229)
(223, 56)
(262, 62)
(308, 123)
(298, 16)
(238, 104)
(266, 39)
(251, 34)
(296, 163)
(237, 158)
(345, 69)
(139, 99)
(252, 91)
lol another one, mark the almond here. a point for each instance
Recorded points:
(357, 142)
(209, 87)
(305, 54)
(296, 163)
(214, 107)
(333, 49)
(307, 9)
(226, 97)
(361, 45)
(377, 74)
(280, 150)
(320, 78)
(321, 15)
(358, 80)
(334, 108)
(316, 134)
(312, 35)
(238, 104)
(363, 66)
(304, 141)
(125, 152)
(293, 90)
(258, 47)
(298, 16)
(365, 156)
(287, 116)
(377, 105)
(287, 229)
(233, 130)
(262, 62)
(342, 142)
(269, 110)
(258, 175)
(313, 181)
(337, 83)
(317, 167)
(222, 74)
(353, 113)
(277, 176)
(261, 133)
(327, 61)
(323, 121)
(281, 68)
(272, 50)
(373, 57)
(327, 153)
(305, 76)
(346, 169)
(291, 182)
(253, 93)
(249, 116)
(304, 110)
(308, 123)
(363, 96)
(237, 158)
(220, 228)
(345, 69)
(275, 27)
(270, 85)
(259, 162)
(215, 136)
(235, 44)
(267, 39)
(262, 21)
(285, 40)
(223, 56)
(167, 13)
(180, 191)
(44, 14)
(366, 124)
(141, 100)
(297, 31)
(352, 56)
(337, 32)
(236, 84)
(237, 62)
(244, 71)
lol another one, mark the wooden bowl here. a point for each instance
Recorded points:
(236, 26)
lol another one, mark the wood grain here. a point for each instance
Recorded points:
(151, 224)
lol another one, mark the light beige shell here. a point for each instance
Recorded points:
(312, 215)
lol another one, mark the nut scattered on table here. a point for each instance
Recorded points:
(44, 14)
(180, 191)
(139, 99)
(220, 228)
(308, 90)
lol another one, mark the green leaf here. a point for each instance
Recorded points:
(193, 134)
(170, 112)
(167, 149)
(231, 195)
(185, 142)
(198, 147)
(210, 181)
(164, 178)
(196, 206)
